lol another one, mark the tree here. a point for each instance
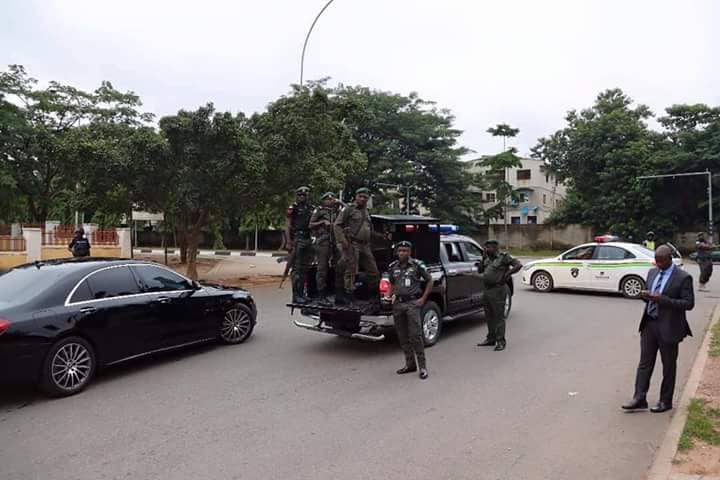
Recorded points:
(42, 148)
(409, 141)
(304, 143)
(495, 179)
(213, 166)
(600, 154)
(505, 131)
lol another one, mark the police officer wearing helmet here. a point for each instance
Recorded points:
(649, 242)
(299, 241)
(408, 297)
(322, 221)
(80, 246)
(497, 269)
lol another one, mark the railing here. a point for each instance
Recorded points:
(63, 235)
(12, 244)
(104, 237)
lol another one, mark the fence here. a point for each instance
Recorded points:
(63, 235)
(12, 244)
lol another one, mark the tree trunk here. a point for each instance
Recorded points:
(191, 252)
(182, 242)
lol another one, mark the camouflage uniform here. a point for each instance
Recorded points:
(354, 225)
(407, 279)
(328, 254)
(495, 276)
(299, 219)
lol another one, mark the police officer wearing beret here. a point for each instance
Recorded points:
(408, 297)
(497, 269)
(321, 223)
(299, 241)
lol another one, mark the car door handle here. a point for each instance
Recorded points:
(87, 310)
(161, 300)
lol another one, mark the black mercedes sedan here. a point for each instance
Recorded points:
(62, 320)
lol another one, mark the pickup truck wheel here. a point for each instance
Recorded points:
(508, 306)
(431, 319)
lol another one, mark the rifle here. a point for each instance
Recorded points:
(290, 259)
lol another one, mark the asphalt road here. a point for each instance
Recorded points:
(293, 404)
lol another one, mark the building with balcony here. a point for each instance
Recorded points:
(538, 190)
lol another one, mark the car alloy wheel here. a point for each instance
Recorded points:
(68, 368)
(236, 326)
(508, 305)
(542, 282)
(632, 286)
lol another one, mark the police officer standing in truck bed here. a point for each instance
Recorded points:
(322, 224)
(300, 242)
(408, 297)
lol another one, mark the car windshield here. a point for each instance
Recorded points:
(644, 251)
(22, 284)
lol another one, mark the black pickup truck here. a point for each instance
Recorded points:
(454, 261)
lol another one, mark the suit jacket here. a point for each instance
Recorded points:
(676, 298)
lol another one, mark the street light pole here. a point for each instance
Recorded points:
(709, 175)
(307, 37)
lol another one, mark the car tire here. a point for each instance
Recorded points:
(508, 306)
(237, 324)
(542, 281)
(631, 286)
(68, 368)
(431, 323)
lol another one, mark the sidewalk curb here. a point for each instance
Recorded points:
(212, 253)
(662, 464)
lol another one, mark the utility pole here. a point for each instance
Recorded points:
(709, 176)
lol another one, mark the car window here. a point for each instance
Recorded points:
(606, 252)
(82, 293)
(453, 252)
(472, 251)
(156, 279)
(23, 284)
(580, 253)
(113, 282)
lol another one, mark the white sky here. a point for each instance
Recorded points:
(522, 62)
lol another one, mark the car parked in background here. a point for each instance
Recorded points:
(600, 266)
(61, 320)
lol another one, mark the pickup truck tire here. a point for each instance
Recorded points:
(508, 306)
(431, 322)
(542, 281)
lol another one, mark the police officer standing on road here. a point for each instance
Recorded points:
(322, 224)
(408, 298)
(704, 259)
(649, 242)
(80, 246)
(299, 242)
(354, 233)
(497, 269)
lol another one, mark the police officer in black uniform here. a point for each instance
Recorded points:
(80, 246)
(300, 241)
(408, 297)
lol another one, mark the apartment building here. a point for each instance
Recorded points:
(539, 191)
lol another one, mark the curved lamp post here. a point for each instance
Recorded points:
(307, 37)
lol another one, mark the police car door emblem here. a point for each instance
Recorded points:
(574, 272)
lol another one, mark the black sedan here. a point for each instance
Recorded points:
(62, 320)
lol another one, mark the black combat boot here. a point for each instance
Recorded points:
(487, 343)
(298, 286)
(501, 344)
(423, 366)
(410, 365)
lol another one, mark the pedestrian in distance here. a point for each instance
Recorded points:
(299, 242)
(497, 268)
(354, 233)
(662, 327)
(80, 246)
(649, 241)
(328, 256)
(704, 260)
(408, 298)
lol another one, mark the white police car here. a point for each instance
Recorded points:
(607, 266)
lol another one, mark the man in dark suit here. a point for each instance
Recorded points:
(663, 326)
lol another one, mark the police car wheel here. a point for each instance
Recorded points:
(542, 281)
(431, 319)
(632, 286)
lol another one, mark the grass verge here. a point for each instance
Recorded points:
(702, 424)
(715, 341)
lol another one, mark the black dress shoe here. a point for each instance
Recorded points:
(407, 369)
(661, 407)
(500, 346)
(487, 343)
(423, 373)
(636, 404)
